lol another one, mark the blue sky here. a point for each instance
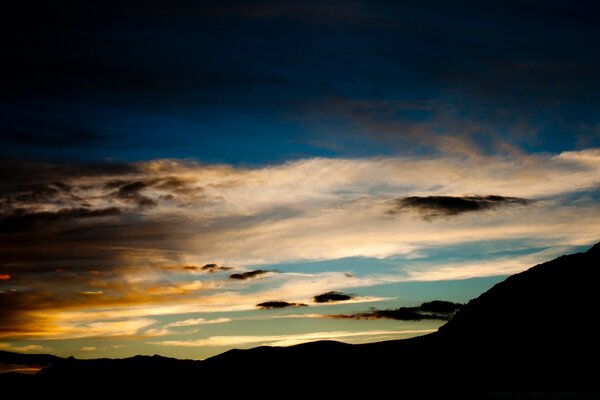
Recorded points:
(396, 152)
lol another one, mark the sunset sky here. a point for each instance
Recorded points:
(166, 167)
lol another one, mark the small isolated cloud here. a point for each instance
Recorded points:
(437, 309)
(249, 275)
(440, 306)
(212, 268)
(267, 305)
(444, 206)
(88, 348)
(332, 297)
(91, 293)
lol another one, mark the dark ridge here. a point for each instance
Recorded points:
(7, 357)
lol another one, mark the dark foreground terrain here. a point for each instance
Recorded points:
(531, 336)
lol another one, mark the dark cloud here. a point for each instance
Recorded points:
(332, 297)
(212, 268)
(51, 135)
(249, 274)
(440, 306)
(40, 179)
(175, 185)
(434, 310)
(21, 220)
(442, 206)
(279, 304)
(14, 171)
(131, 192)
(66, 70)
(59, 215)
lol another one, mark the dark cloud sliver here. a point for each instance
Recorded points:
(439, 206)
(440, 306)
(21, 220)
(212, 268)
(401, 314)
(249, 275)
(131, 192)
(132, 188)
(434, 310)
(278, 304)
(332, 297)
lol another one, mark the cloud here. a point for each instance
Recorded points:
(278, 304)
(212, 268)
(197, 321)
(289, 340)
(29, 348)
(436, 310)
(179, 288)
(249, 218)
(132, 192)
(330, 297)
(21, 220)
(439, 206)
(73, 330)
(4, 277)
(249, 275)
(89, 348)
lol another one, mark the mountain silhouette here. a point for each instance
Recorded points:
(532, 333)
(8, 357)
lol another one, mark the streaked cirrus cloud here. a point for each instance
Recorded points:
(120, 238)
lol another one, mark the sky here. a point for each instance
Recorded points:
(185, 177)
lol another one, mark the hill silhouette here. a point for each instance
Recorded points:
(532, 333)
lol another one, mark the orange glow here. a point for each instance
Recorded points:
(4, 277)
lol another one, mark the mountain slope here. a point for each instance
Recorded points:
(7, 357)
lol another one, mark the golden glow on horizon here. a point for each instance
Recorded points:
(283, 340)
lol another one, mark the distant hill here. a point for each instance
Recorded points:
(533, 332)
(7, 357)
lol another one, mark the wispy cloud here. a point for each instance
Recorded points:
(286, 340)
(198, 321)
(134, 264)
(29, 348)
